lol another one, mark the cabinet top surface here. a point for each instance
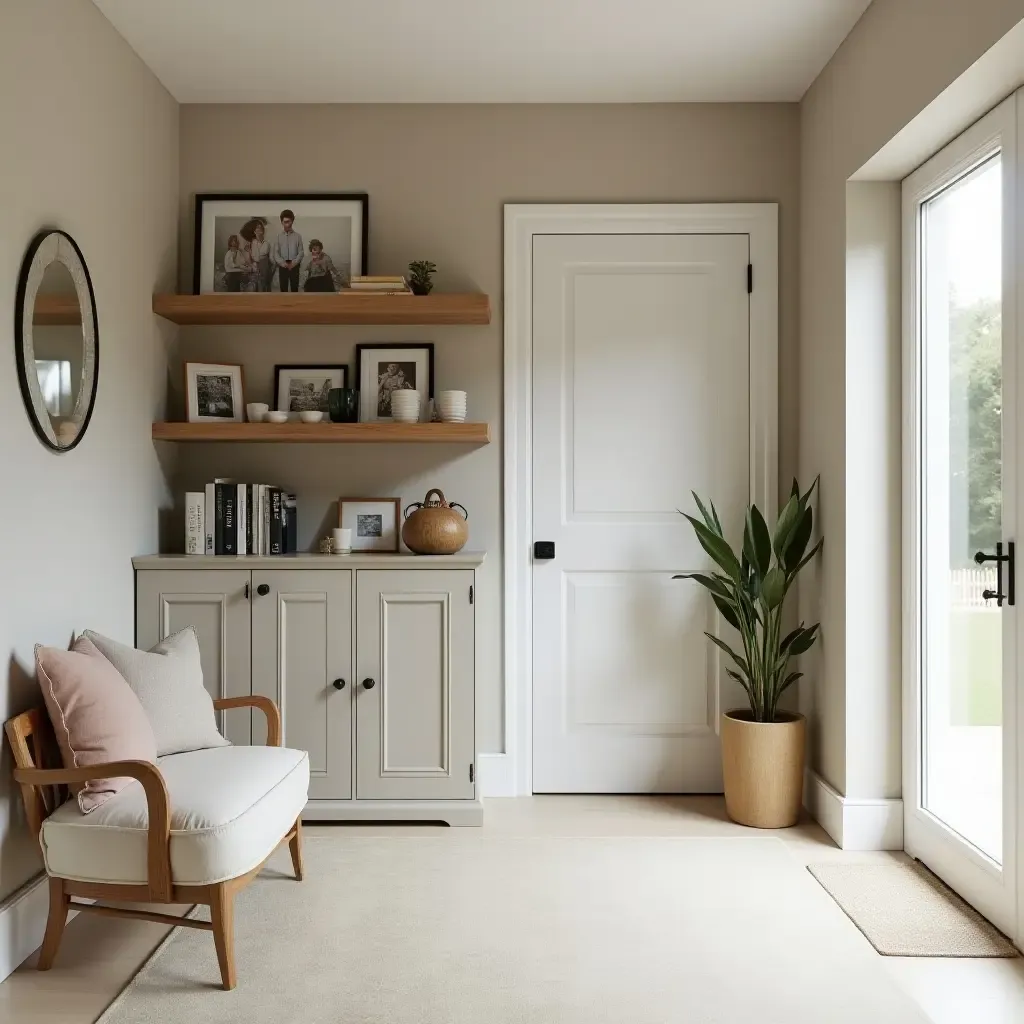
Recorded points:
(356, 560)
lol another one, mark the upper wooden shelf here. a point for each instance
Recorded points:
(339, 308)
(57, 311)
(327, 433)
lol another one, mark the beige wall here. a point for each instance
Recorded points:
(898, 58)
(91, 146)
(437, 178)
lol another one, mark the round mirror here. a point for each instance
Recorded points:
(57, 339)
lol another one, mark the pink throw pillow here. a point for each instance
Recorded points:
(96, 716)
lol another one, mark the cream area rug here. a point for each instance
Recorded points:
(904, 910)
(531, 930)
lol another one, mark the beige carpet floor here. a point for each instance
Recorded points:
(509, 930)
(904, 910)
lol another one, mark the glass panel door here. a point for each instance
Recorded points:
(960, 516)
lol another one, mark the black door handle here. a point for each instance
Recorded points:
(263, 589)
(544, 549)
(1000, 558)
(369, 684)
(338, 684)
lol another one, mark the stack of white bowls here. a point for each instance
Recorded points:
(452, 405)
(405, 406)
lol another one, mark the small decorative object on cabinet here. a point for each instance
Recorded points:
(307, 387)
(255, 411)
(763, 747)
(326, 546)
(383, 369)
(343, 405)
(214, 392)
(371, 656)
(435, 528)
(279, 242)
(420, 274)
(341, 541)
(373, 522)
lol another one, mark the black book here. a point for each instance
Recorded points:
(218, 519)
(291, 524)
(248, 520)
(227, 521)
(276, 526)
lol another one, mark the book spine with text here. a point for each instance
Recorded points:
(195, 523)
(291, 524)
(249, 543)
(227, 523)
(210, 519)
(240, 548)
(276, 534)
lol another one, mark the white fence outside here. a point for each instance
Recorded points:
(966, 586)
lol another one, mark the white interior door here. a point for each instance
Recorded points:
(962, 501)
(641, 394)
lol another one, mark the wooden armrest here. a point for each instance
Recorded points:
(157, 801)
(265, 704)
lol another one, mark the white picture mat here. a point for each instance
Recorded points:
(371, 358)
(386, 508)
(193, 371)
(271, 209)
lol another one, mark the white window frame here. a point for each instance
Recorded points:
(511, 773)
(993, 890)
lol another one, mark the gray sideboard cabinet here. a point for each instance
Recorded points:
(369, 657)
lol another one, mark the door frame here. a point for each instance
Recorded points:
(966, 868)
(511, 774)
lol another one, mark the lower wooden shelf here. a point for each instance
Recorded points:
(326, 433)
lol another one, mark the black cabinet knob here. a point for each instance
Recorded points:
(263, 589)
(369, 684)
(339, 684)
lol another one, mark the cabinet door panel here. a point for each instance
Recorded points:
(302, 644)
(215, 603)
(415, 725)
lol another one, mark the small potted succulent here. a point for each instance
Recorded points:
(762, 746)
(420, 274)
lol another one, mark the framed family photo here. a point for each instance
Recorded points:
(373, 522)
(214, 393)
(383, 369)
(279, 241)
(304, 388)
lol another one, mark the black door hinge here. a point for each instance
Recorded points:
(472, 774)
(470, 595)
(750, 278)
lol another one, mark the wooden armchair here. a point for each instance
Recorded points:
(45, 793)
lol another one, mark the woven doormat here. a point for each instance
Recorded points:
(904, 910)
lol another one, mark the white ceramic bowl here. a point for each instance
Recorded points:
(311, 415)
(256, 411)
(274, 416)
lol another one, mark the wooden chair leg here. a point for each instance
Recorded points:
(55, 921)
(295, 847)
(222, 914)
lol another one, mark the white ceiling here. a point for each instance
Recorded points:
(483, 51)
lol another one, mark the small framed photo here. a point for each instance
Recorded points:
(373, 522)
(304, 388)
(279, 241)
(383, 369)
(213, 393)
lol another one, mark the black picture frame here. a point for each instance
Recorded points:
(283, 198)
(305, 366)
(382, 346)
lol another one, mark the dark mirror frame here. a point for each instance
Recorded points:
(20, 315)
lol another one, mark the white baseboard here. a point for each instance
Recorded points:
(496, 775)
(855, 823)
(22, 922)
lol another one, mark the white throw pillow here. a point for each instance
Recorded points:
(168, 680)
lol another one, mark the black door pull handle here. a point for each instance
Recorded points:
(544, 549)
(1001, 558)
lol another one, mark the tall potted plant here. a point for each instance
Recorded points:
(762, 747)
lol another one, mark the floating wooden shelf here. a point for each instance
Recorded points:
(57, 311)
(275, 309)
(327, 433)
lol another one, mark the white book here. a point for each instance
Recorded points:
(240, 518)
(195, 522)
(210, 517)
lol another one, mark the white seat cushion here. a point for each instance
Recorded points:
(230, 806)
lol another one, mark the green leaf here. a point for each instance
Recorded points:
(740, 662)
(716, 547)
(712, 525)
(727, 611)
(789, 638)
(784, 526)
(805, 641)
(739, 679)
(761, 546)
(718, 522)
(773, 589)
(810, 554)
(797, 543)
(789, 681)
(810, 490)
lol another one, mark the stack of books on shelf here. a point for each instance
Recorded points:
(381, 285)
(229, 518)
